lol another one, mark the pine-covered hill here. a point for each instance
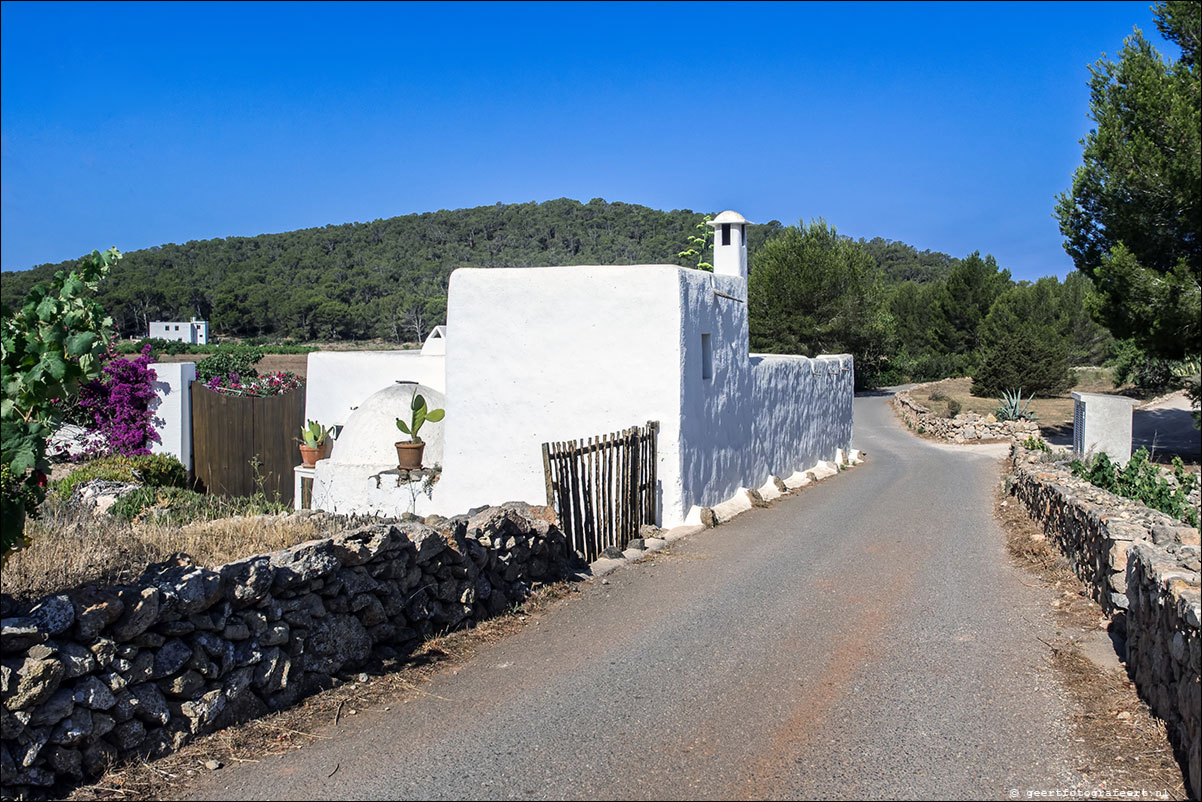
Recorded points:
(388, 278)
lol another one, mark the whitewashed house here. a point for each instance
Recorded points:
(195, 332)
(531, 355)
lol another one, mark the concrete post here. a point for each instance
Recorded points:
(1102, 423)
(172, 409)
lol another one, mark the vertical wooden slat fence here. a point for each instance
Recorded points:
(604, 487)
(230, 434)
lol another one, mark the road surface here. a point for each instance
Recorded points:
(867, 638)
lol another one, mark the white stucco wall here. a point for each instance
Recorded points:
(338, 381)
(554, 353)
(172, 409)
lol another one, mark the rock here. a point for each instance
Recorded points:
(95, 609)
(235, 630)
(247, 581)
(202, 712)
(196, 589)
(213, 765)
(187, 684)
(335, 642)
(102, 724)
(37, 680)
(76, 660)
(94, 694)
(270, 675)
(303, 564)
(147, 703)
(54, 614)
(97, 757)
(128, 735)
(65, 762)
(53, 710)
(18, 634)
(428, 542)
(274, 635)
(637, 543)
(73, 729)
(141, 611)
(171, 658)
(612, 553)
(12, 724)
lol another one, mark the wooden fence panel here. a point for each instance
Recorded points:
(233, 436)
(603, 488)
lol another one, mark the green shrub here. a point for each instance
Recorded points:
(953, 407)
(227, 359)
(1140, 480)
(152, 470)
(179, 506)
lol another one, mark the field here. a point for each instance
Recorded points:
(1055, 414)
(297, 363)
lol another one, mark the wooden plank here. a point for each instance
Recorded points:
(547, 474)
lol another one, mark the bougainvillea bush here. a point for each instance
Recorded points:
(117, 405)
(276, 383)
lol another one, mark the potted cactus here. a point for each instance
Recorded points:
(314, 443)
(409, 452)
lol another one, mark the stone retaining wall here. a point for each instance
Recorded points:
(104, 673)
(1163, 647)
(966, 427)
(1094, 528)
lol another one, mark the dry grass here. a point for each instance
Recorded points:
(72, 547)
(1052, 413)
(381, 685)
(1127, 748)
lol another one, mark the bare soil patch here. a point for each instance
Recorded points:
(379, 685)
(1127, 748)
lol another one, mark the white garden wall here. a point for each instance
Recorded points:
(338, 381)
(172, 409)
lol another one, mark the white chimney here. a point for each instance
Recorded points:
(730, 244)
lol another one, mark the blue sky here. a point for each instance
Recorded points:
(948, 126)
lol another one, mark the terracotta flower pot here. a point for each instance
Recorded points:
(409, 455)
(310, 456)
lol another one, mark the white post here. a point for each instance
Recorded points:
(172, 409)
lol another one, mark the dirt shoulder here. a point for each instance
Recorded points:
(1128, 748)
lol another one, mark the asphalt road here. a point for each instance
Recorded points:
(865, 639)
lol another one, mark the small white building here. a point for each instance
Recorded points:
(195, 332)
(534, 355)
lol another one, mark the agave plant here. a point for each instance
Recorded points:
(421, 414)
(314, 435)
(1012, 406)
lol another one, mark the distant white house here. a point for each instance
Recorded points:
(194, 331)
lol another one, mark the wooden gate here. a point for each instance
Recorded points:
(239, 442)
(603, 488)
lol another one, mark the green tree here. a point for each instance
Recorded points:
(964, 300)
(52, 343)
(1131, 219)
(1022, 345)
(812, 291)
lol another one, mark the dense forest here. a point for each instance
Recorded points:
(385, 279)
(904, 313)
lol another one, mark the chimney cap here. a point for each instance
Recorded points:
(730, 216)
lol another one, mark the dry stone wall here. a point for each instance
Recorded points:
(1164, 654)
(1094, 528)
(99, 674)
(1143, 567)
(966, 427)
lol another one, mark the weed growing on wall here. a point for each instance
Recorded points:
(1140, 480)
